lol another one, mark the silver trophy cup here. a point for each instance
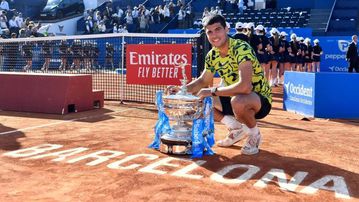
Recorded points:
(181, 108)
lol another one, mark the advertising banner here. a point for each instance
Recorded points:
(158, 64)
(334, 53)
(298, 92)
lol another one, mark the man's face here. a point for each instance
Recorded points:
(217, 35)
(355, 38)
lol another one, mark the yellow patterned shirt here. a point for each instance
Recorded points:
(227, 67)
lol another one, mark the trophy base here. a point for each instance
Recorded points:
(171, 145)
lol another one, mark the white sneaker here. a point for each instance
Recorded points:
(234, 136)
(252, 144)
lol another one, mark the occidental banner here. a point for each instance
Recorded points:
(157, 64)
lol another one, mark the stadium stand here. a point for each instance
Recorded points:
(344, 17)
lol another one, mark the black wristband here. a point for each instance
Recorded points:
(214, 90)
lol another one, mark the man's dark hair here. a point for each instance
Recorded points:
(211, 19)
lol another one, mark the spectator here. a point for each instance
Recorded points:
(102, 27)
(89, 25)
(181, 18)
(3, 20)
(284, 58)
(19, 20)
(64, 53)
(166, 13)
(317, 52)
(129, 18)
(13, 25)
(218, 11)
(308, 56)
(143, 21)
(115, 28)
(4, 5)
(27, 53)
(189, 16)
(12, 52)
(352, 55)
(119, 13)
(205, 13)
(109, 55)
(47, 52)
(240, 7)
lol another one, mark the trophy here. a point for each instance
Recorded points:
(188, 113)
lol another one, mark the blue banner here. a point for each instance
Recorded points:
(298, 92)
(334, 53)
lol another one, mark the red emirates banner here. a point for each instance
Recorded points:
(157, 64)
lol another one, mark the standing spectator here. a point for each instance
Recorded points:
(308, 56)
(19, 20)
(189, 16)
(352, 54)
(12, 52)
(129, 18)
(274, 56)
(240, 7)
(109, 55)
(89, 25)
(294, 51)
(143, 21)
(27, 53)
(46, 51)
(284, 62)
(166, 13)
(95, 52)
(3, 20)
(64, 53)
(4, 5)
(87, 49)
(317, 52)
(76, 50)
(119, 13)
(181, 18)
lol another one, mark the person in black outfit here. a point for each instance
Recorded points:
(64, 53)
(240, 32)
(27, 53)
(76, 50)
(109, 55)
(317, 52)
(352, 54)
(95, 52)
(47, 51)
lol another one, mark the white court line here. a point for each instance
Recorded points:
(57, 123)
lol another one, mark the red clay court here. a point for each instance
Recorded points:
(102, 155)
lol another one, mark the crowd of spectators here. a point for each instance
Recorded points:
(137, 18)
(14, 25)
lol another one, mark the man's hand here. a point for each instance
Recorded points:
(204, 92)
(172, 90)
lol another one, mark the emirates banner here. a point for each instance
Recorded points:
(157, 64)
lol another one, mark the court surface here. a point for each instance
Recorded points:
(102, 155)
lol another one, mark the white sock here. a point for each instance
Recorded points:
(254, 130)
(231, 122)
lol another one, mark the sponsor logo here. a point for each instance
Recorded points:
(338, 69)
(343, 45)
(298, 89)
(157, 64)
(335, 56)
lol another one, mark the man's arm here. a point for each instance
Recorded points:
(244, 84)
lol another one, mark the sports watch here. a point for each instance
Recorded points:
(214, 90)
